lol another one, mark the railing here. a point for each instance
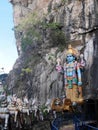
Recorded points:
(84, 125)
(53, 126)
(56, 123)
(78, 121)
(61, 120)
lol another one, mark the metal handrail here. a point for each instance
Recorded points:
(80, 125)
(57, 122)
(89, 126)
(53, 126)
(77, 120)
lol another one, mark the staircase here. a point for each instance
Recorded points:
(63, 120)
(73, 122)
(83, 117)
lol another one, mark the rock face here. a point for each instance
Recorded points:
(78, 20)
(21, 8)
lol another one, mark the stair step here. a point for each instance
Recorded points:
(68, 127)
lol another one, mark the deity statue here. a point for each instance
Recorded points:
(72, 70)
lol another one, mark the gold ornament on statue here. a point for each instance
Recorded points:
(72, 51)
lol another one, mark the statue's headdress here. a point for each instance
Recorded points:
(72, 51)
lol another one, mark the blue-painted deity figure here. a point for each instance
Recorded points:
(72, 75)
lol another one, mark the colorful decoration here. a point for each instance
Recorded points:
(72, 74)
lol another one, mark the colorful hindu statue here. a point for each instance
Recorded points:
(72, 74)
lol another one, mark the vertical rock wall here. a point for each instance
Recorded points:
(79, 19)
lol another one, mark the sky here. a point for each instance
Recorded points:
(8, 50)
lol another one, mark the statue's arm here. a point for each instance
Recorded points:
(82, 62)
(59, 67)
(79, 75)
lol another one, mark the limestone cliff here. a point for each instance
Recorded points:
(54, 24)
